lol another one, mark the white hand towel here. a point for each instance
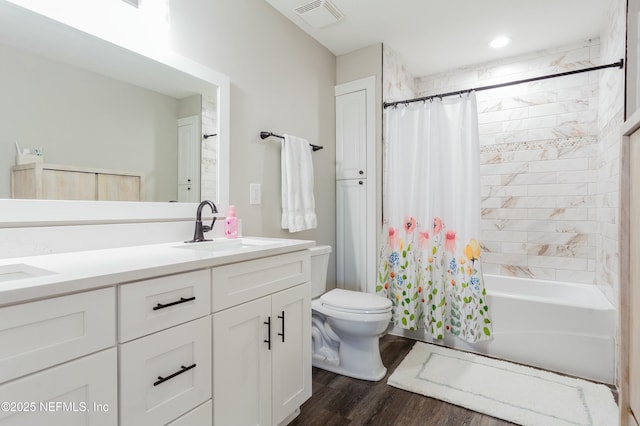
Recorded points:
(298, 203)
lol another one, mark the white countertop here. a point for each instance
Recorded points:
(86, 270)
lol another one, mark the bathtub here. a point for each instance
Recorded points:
(563, 327)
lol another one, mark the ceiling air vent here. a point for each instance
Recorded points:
(319, 13)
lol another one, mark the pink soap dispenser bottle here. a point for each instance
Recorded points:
(231, 223)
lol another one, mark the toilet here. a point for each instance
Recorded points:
(346, 325)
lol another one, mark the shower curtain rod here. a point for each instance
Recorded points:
(618, 64)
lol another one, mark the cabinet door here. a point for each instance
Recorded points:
(187, 194)
(200, 416)
(68, 185)
(351, 135)
(118, 187)
(351, 261)
(24, 183)
(242, 364)
(83, 392)
(291, 369)
(189, 137)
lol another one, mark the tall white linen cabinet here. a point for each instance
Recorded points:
(355, 185)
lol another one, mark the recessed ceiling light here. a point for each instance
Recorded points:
(499, 42)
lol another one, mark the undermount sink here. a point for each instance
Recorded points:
(20, 271)
(215, 245)
(261, 242)
(222, 244)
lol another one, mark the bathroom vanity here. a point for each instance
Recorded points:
(181, 334)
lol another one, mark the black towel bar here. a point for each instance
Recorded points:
(264, 135)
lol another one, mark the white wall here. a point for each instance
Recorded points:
(281, 81)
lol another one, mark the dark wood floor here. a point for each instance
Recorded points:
(340, 400)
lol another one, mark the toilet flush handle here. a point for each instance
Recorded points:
(282, 318)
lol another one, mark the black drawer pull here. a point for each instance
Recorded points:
(177, 302)
(282, 318)
(177, 373)
(268, 341)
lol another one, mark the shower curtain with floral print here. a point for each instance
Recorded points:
(429, 261)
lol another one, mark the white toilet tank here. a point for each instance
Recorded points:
(319, 266)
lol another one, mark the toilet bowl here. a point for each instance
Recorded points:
(346, 325)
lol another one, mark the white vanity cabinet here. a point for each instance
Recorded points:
(165, 350)
(262, 339)
(58, 362)
(208, 339)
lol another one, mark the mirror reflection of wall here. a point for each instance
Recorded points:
(83, 119)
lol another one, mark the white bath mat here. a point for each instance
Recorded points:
(501, 389)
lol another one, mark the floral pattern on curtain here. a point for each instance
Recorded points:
(429, 262)
(431, 285)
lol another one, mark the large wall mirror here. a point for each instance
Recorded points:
(92, 107)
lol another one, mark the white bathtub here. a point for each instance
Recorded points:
(564, 327)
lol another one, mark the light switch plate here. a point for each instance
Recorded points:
(255, 193)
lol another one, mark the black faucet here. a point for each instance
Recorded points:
(198, 235)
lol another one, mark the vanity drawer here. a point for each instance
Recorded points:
(79, 392)
(200, 416)
(166, 374)
(37, 335)
(240, 282)
(153, 305)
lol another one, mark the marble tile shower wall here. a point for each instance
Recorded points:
(397, 80)
(610, 117)
(539, 168)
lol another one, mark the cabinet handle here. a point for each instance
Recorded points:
(171, 376)
(189, 180)
(360, 182)
(361, 172)
(268, 341)
(177, 302)
(282, 318)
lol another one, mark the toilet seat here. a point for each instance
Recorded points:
(355, 302)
